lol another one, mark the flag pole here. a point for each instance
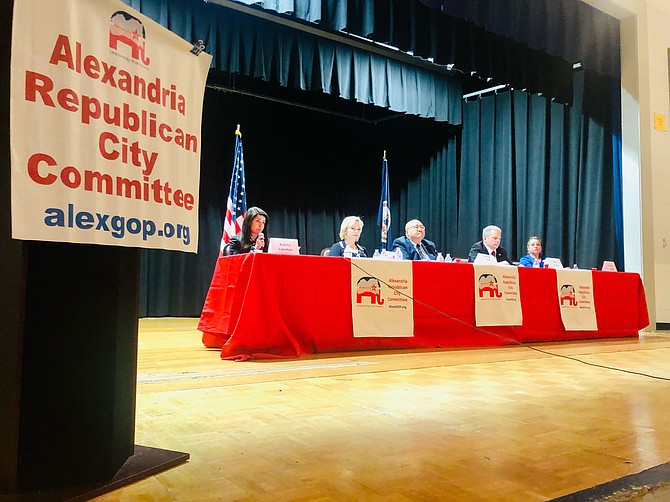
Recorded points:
(384, 213)
(236, 205)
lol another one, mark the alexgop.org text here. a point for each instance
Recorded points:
(116, 225)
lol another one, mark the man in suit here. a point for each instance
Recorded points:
(490, 244)
(413, 245)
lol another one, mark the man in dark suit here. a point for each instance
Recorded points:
(490, 244)
(413, 245)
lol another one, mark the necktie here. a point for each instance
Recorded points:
(422, 253)
(493, 253)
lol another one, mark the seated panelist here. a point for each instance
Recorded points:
(534, 256)
(490, 244)
(413, 244)
(348, 246)
(254, 236)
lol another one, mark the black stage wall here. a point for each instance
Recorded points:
(521, 161)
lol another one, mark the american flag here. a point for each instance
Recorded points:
(236, 206)
(384, 214)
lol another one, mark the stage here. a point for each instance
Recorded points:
(495, 423)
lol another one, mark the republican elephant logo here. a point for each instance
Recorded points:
(567, 295)
(128, 30)
(369, 287)
(489, 284)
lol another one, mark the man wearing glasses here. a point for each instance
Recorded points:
(413, 245)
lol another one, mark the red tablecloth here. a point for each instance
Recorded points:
(265, 306)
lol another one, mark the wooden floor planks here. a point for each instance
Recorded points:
(499, 424)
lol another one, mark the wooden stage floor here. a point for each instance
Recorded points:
(495, 424)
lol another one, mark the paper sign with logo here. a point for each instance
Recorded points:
(575, 299)
(381, 298)
(105, 126)
(497, 300)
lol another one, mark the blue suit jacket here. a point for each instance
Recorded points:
(337, 249)
(527, 261)
(409, 251)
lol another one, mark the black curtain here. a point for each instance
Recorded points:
(533, 166)
(523, 162)
(308, 169)
(529, 44)
(243, 44)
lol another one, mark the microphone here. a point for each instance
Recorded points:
(259, 236)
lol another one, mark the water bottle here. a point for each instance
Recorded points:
(376, 254)
(439, 257)
(536, 263)
(575, 267)
(398, 254)
(448, 259)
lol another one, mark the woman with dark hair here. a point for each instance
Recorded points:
(254, 235)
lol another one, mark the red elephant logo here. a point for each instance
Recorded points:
(128, 30)
(567, 295)
(369, 287)
(489, 284)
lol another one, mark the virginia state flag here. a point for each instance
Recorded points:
(384, 214)
(236, 207)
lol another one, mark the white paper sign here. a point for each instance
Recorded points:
(283, 246)
(497, 299)
(609, 266)
(575, 299)
(553, 263)
(381, 298)
(105, 114)
(484, 259)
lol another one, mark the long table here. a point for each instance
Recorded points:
(271, 306)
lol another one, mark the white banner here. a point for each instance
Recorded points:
(575, 299)
(105, 114)
(497, 299)
(381, 298)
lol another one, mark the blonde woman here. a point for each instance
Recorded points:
(534, 257)
(350, 232)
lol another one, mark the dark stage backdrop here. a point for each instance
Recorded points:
(523, 162)
(308, 169)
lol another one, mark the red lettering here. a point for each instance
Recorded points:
(162, 132)
(45, 86)
(91, 67)
(108, 154)
(33, 168)
(70, 177)
(62, 52)
(178, 198)
(90, 109)
(188, 201)
(68, 99)
(108, 74)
